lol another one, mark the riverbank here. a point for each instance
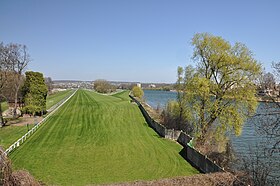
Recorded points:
(269, 99)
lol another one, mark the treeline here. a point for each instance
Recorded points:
(103, 86)
(27, 92)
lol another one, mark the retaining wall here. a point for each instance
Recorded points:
(194, 157)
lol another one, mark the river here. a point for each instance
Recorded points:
(244, 144)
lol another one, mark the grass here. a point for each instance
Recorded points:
(55, 98)
(95, 139)
(4, 106)
(9, 134)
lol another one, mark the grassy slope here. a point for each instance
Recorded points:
(55, 98)
(99, 139)
(9, 134)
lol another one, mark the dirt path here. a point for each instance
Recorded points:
(26, 119)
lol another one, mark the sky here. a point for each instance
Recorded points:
(133, 40)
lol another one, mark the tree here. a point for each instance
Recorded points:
(258, 166)
(19, 61)
(103, 86)
(268, 125)
(276, 67)
(4, 73)
(270, 119)
(268, 81)
(34, 93)
(219, 94)
(49, 83)
(137, 92)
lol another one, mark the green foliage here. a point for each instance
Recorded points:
(137, 92)
(173, 108)
(34, 93)
(4, 105)
(219, 94)
(104, 136)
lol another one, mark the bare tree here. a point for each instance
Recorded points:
(271, 126)
(276, 67)
(268, 81)
(49, 83)
(258, 166)
(103, 86)
(19, 61)
(4, 74)
(264, 163)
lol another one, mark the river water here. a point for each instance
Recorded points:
(243, 145)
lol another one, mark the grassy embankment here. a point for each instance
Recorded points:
(10, 134)
(96, 139)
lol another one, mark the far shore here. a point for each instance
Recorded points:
(259, 98)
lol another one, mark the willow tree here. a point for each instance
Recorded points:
(219, 93)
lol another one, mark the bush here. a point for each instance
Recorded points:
(137, 92)
(172, 119)
(103, 86)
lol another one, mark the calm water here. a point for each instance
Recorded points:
(250, 136)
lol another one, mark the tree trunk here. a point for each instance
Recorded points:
(2, 122)
(17, 85)
(15, 107)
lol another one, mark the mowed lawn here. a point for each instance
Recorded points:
(95, 139)
(9, 134)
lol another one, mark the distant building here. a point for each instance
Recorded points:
(138, 85)
(152, 86)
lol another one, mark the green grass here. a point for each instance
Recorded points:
(4, 106)
(9, 134)
(55, 98)
(95, 139)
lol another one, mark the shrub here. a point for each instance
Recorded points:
(137, 92)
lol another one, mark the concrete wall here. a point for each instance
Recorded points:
(194, 157)
(172, 134)
(198, 160)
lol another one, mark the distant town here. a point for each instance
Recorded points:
(73, 84)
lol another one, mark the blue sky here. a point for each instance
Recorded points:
(133, 40)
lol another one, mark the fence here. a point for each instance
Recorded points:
(194, 157)
(198, 160)
(160, 129)
(30, 132)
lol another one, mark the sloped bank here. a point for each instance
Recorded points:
(194, 157)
